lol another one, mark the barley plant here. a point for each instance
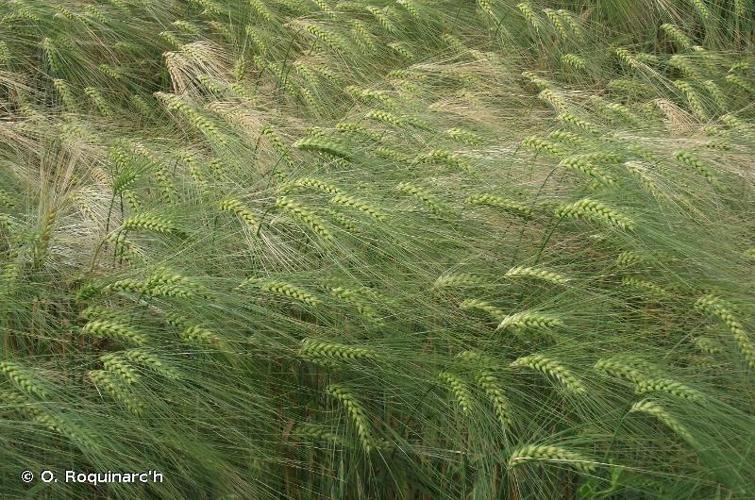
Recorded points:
(413, 249)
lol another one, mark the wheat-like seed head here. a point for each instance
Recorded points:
(595, 211)
(119, 366)
(355, 203)
(552, 368)
(656, 410)
(117, 391)
(114, 330)
(459, 389)
(357, 413)
(241, 211)
(481, 305)
(669, 386)
(714, 305)
(320, 349)
(24, 378)
(497, 396)
(306, 215)
(491, 200)
(152, 361)
(648, 287)
(530, 320)
(545, 453)
(537, 273)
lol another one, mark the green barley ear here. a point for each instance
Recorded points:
(702, 9)
(283, 289)
(66, 95)
(491, 200)
(119, 366)
(44, 235)
(386, 117)
(693, 98)
(357, 413)
(324, 145)
(318, 350)
(99, 101)
(319, 433)
(382, 18)
(116, 389)
(572, 21)
(557, 22)
(481, 305)
(200, 337)
(450, 280)
(654, 409)
(357, 299)
(459, 389)
(707, 345)
(618, 367)
(577, 122)
(261, 10)
(537, 81)
(714, 305)
(574, 61)
(584, 165)
(568, 138)
(366, 41)
(529, 320)
(671, 387)
(403, 50)
(740, 82)
(240, 210)
(716, 93)
(486, 6)
(537, 273)
(392, 155)
(152, 361)
(552, 368)
(640, 170)
(355, 203)
(677, 35)
(77, 434)
(691, 160)
(444, 157)
(554, 99)
(356, 130)
(423, 195)
(24, 378)
(464, 136)
(306, 215)
(595, 211)
(555, 454)
(149, 222)
(647, 287)
(537, 144)
(495, 393)
(110, 329)
(327, 38)
(177, 105)
(5, 54)
(530, 15)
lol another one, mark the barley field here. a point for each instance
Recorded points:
(377, 249)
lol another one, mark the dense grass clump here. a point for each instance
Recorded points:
(411, 249)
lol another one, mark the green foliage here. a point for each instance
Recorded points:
(412, 249)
